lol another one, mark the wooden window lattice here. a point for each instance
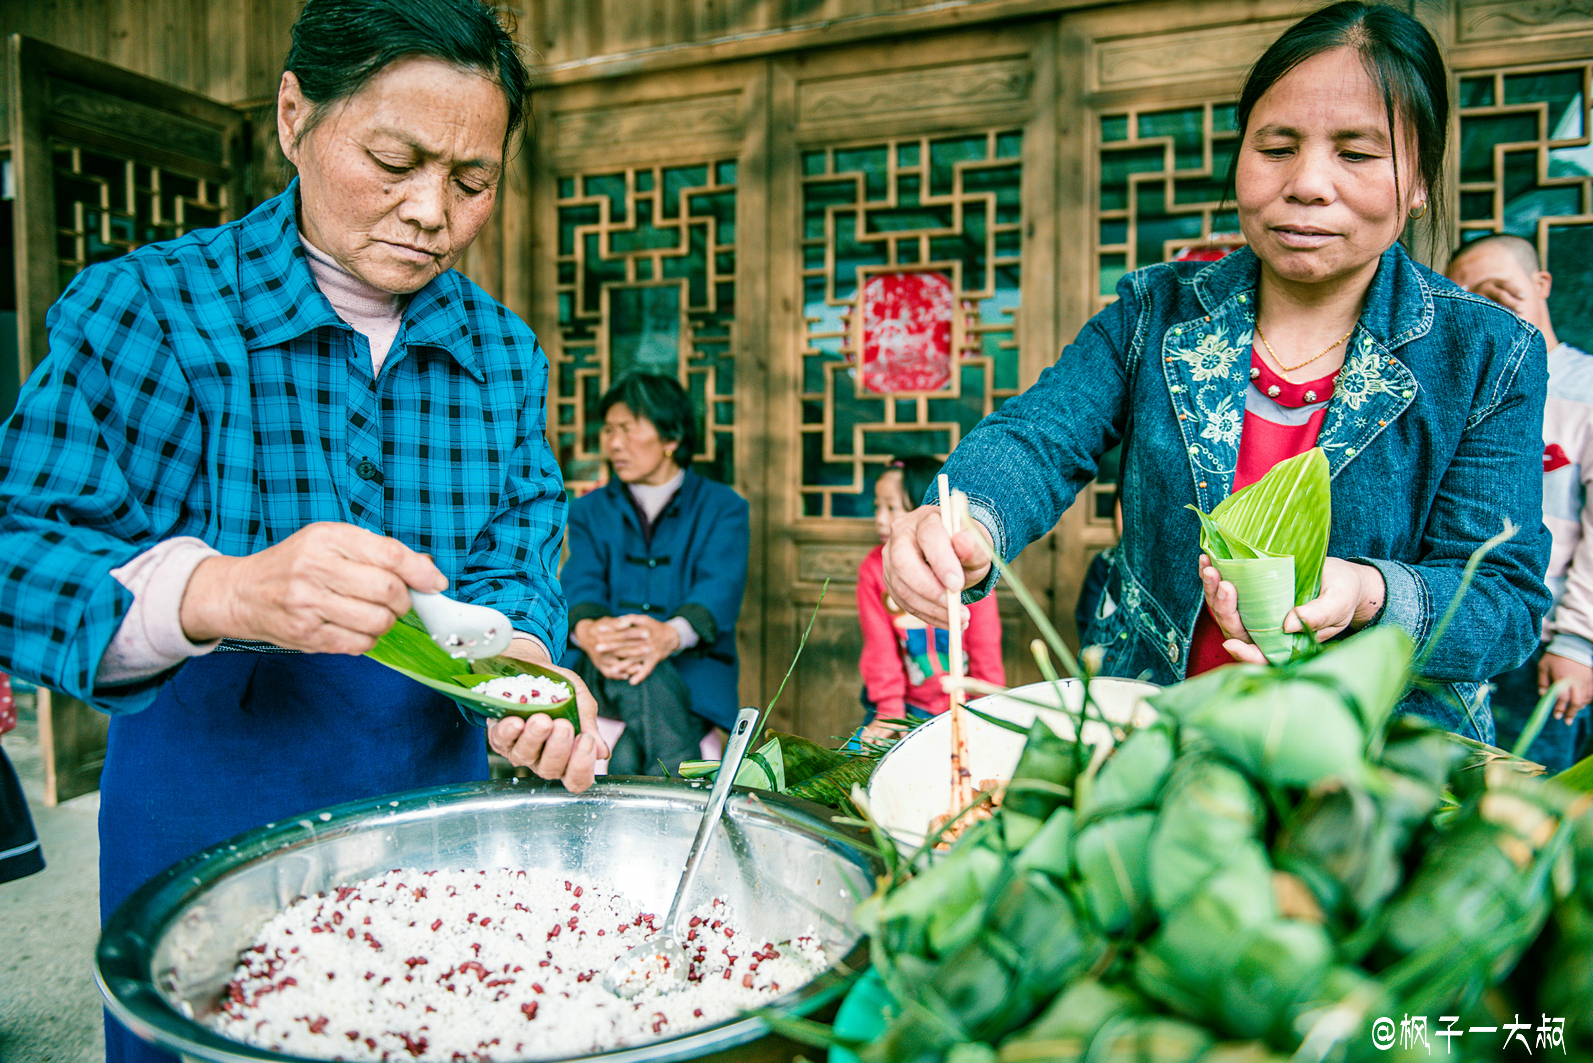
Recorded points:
(1526, 168)
(1162, 178)
(1160, 187)
(646, 279)
(1161, 192)
(107, 205)
(944, 205)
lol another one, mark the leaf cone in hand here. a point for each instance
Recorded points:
(1270, 541)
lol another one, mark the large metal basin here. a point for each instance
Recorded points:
(166, 955)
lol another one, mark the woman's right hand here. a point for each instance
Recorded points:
(923, 562)
(327, 588)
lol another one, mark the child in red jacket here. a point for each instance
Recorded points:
(903, 658)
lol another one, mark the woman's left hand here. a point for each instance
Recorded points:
(1352, 594)
(549, 747)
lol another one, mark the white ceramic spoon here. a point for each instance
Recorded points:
(461, 629)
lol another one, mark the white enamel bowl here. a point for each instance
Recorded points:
(912, 784)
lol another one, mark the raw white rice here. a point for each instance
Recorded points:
(525, 689)
(486, 966)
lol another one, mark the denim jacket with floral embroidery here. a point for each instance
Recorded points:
(1433, 437)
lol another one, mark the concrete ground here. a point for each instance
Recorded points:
(49, 923)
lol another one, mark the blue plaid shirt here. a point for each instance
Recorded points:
(206, 387)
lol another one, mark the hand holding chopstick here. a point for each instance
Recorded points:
(952, 509)
(923, 560)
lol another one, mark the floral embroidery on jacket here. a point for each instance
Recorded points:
(1223, 422)
(1360, 380)
(1211, 358)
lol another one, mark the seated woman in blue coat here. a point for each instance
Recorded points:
(657, 568)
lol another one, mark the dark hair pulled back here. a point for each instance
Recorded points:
(339, 45)
(661, 400)
(1401, 57)
(918, 476)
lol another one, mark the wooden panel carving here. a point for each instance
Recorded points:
(1175, 58)
(77, 107)
(1492, 20)
(707, 117)
(817, 562)
(1001, 81)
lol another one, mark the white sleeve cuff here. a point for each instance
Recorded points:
(150, 638)
(688, 634)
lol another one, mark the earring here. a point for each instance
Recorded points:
(1419, 211)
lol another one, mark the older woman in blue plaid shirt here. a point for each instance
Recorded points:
(264, 436)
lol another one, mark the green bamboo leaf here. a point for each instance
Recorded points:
(933, 914)
(407, 649)
(1288, 512)
(1578, 777)
(1286, 733)
(1182, 960)
(1272, 968)
(1112, 856)
(1210, 818)
(1270, 541)
(1050, 850)
(804, 758)
(764, 768)
(1077, 1014)
(833, 786)
(1371, 668)
(1133, 775)
(1219, 543)
(1046, 758)
(1151, 1039)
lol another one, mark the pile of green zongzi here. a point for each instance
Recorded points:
(1278, 867)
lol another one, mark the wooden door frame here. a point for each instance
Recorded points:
(806, 551)
(34, 121)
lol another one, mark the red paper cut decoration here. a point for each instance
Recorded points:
(907, 332)
(1214, 247)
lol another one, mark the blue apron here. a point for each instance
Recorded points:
(237, 740)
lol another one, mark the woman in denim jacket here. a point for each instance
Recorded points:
(1431, 415)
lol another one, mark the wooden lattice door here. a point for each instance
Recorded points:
(646, 281)
(643, 251)
(913, 295)
(105, 161)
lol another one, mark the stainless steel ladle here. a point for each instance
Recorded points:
(660, 961)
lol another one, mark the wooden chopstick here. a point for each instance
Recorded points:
(961, 777)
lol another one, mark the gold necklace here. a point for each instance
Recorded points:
(1291, 368)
